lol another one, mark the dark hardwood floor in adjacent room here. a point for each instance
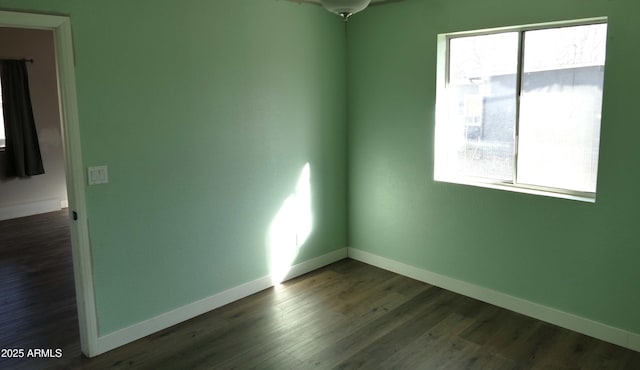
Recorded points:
(347, 315)
(37, 294)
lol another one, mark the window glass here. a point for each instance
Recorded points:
(522, 108)
(482, 86)
(560, 107)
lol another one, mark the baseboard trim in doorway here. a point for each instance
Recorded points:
(30, 209)
(142, 329)
(538, 311)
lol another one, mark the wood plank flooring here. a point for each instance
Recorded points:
(345, 316)
(37, 294)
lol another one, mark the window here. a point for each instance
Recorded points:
(519, 109)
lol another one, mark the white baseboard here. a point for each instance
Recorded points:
(129, 334)
(64, 204)
(29, 209)
(634, 342)
(551, 315)
(316, 263)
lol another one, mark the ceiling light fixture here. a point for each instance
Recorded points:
(345, 8)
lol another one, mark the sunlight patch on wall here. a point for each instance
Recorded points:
(290, 228)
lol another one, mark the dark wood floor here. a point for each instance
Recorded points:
(347, 315)
(37, 297)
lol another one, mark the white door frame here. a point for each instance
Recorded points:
(65, 68)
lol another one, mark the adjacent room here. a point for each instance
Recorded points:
(259, 183)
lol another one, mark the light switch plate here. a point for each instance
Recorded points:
(98, 175)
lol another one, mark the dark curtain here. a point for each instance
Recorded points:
(22, 149)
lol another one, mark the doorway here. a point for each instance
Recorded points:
(78, 231)
(47, 192)
(37, 293)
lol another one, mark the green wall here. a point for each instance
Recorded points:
(578, 257)
(205, 113)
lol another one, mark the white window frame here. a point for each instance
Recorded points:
(442, 81)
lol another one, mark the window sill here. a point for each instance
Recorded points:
(582, 197)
